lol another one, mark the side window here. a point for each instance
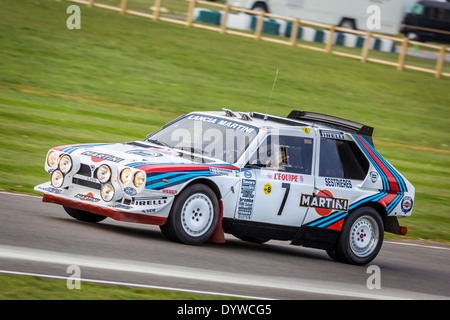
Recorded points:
(417, 9)
(439, 14)
(284, 153)
(342, 159)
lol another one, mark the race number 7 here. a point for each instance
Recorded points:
(286, 186)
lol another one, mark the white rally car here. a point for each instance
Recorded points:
(313, 179)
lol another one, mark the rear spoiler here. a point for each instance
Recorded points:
(332, 121)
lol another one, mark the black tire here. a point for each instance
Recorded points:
(84, 215)
(193, 217)
(260, 6)
(361, 237)
(348, 23)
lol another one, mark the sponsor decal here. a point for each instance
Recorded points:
(121, 206)
(407, 204)
(145, 153)
(339, 183)
(285, 177)
(247, 174)
(246, 199)
(220, 171)
(306, 130)
(171, 191)
(324, 202)
(267, 188)
(130, 191)
(331, 134)
(148, 202)
(373, 176)
(97, 156)
(51, 189)
(87, 197)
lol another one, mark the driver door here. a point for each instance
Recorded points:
(277, 174)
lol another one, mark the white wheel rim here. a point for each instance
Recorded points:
(364, 236)
(197, 215)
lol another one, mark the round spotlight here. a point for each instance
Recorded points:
(107, 192)
(52, 158)
(57, 178)
(125, 175)
(139, 179)
(103, 173)
(65, 163)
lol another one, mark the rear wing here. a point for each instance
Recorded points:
(332, 121)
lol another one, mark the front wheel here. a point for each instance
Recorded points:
(193, 217)
(361, 237)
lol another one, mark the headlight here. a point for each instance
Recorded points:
(107, 192)
(103, 173)
(57, 178)
(52, 158)
(65, 163)
(125, 176)
(139, 179)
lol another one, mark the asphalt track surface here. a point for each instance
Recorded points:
(40, 238)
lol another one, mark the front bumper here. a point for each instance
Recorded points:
(149, 209)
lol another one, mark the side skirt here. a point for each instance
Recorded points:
(313, 237)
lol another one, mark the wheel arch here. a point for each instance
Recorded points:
(218, 235)
(390, 223)
(207, 182)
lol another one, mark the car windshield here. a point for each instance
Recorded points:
(211, 136)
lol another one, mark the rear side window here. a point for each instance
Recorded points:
(439, 14)
(342, 159)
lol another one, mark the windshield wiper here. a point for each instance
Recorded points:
(159, 143)
(194, 150)
(255, 165)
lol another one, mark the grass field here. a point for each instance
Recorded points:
(18, 288)
(121, 77)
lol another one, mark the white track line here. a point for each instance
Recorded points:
(417, 245)
(197, 274)
(135, 285)
(20, 194)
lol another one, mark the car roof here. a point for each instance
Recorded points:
(295, 118)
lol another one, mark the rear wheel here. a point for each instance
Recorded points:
(84, 215)
(361, 237)
(260, 6)
(194, 216)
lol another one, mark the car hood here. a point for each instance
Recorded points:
(131, 153)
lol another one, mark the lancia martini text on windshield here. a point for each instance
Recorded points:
(220, 122)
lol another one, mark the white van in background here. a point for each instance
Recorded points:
(351, 14)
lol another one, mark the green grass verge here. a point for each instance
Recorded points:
(15, 287)
(121, 77)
